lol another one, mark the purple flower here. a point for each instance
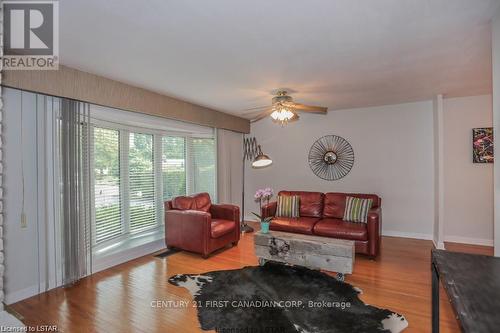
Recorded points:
(267, 193)
(258, 194)
(263, 194)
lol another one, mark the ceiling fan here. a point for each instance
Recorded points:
(284, 110)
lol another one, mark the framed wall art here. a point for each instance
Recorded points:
(482, 145)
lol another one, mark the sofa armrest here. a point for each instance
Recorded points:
(193, 217)
(225, 212)
(269, 209)
(374, 226)
(167, 205)
(187, 223)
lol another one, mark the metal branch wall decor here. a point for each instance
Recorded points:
(331, 157)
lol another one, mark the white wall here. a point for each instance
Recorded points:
(393, 147)
(468, 187)
(496, 121)
(438, 118)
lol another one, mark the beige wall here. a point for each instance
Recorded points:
(71, 83)
(468, 187)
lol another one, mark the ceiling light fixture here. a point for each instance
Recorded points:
(283, 115)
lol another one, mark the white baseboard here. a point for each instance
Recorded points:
(19, 295)
(468, 240)
(385, 232)
(127, 255)
(438, 245)
(407, 235)
(250, 218)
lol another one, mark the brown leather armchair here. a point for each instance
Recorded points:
(194, 224)
(321, 214)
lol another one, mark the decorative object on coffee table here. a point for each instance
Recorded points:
(259, 196)
(264, 223)
(330, 254)
(263, 195)
(331, 157)
(251, 152)
(266, 298)
(482, 145)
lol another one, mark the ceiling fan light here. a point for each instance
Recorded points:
(282, 114)
(275, 115)
(287, 114)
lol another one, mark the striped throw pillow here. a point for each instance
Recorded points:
(356, 209)
(288, 206)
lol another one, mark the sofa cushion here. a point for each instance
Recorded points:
(203, 202)
(200, 202)
(311, 203)
(183, 203)
(335, 203)
(337, 228)
(288, 206)
(356, 209)
(221, 227)
(301, 225)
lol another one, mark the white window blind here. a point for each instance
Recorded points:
(142, 182)
(107, 199)
(136, 170)
(173, 166)
(203, 158)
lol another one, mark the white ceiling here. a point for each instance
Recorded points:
(230, 55)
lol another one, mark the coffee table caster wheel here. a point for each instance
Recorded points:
(340, 277)
(262, 261)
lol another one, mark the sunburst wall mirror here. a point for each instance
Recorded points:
(331, 157)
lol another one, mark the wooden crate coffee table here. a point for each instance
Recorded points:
(335, 255)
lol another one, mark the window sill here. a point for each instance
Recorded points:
(124, 250)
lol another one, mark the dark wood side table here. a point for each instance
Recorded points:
(472, 283)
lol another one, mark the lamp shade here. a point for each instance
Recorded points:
(261, 160)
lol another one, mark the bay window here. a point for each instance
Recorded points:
(142, 209)
(135, 170)
(203, 165)
(173, 166)
(107, 196)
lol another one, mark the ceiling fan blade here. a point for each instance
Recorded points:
(310, 108)
(262, 115)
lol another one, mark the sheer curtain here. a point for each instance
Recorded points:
(48, 197)
(229, 166)
(73, 133)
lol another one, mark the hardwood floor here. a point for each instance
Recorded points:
(120, 299)
(476, 249)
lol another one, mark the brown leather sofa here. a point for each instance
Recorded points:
(321, 214)
(193, 223)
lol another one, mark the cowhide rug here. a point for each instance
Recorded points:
(280, 298)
